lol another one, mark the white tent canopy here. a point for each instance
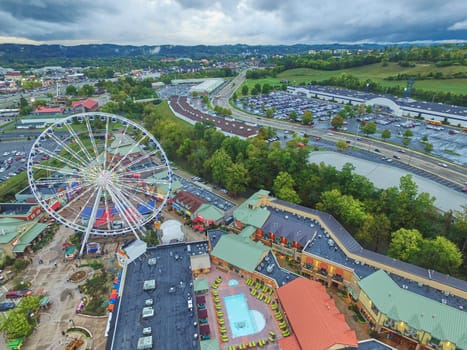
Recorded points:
(172, 231)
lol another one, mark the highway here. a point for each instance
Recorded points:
(452, 173)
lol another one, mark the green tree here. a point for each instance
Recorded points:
(284, 188)
(458, 229)
(219, 162)
(236, 178)
(386, 134)
(337, 122)
(307, 117)
(375, 233)
(428, 147)
(20, 321)
(361, 109)
(87, 90)
(405, 244)
(369, 109)
(408, 133)
(244, 90)
(440, 254)
(266, 89)
(406, 141)
(348, 210)
(71, 90)
(270, 112)
(369, 128)
(293, 115)
(341, 145)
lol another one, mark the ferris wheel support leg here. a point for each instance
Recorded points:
(92, 220)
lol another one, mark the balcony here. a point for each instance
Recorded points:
(338, 278)
(323, 272)
(411, 334)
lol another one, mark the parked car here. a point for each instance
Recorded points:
(14, 294)
(7, 306)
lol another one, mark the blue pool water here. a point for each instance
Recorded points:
(241, 321)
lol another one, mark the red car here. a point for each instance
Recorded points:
(14, 294)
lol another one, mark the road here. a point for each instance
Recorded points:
(453, 173)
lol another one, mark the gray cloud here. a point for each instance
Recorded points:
(193, 22)
(54, 11)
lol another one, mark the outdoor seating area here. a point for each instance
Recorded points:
(280, 319)
(219, 313)
(261, 291)
(204, 329)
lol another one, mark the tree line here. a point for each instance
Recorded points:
(371, 215)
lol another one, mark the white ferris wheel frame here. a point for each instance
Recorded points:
(101, 182)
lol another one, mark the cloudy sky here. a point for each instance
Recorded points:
(192, 22)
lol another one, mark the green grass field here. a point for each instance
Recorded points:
(377, 73)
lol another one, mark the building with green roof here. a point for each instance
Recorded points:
(239, 252)
(209, 214)
(210, 344)
(160, 179)
(250, 211)
(27, 238)
(201, 285)
(411, 315)
(247, 232)
(9, 228)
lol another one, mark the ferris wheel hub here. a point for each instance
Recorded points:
(104, 178)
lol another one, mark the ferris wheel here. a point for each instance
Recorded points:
(99, 174)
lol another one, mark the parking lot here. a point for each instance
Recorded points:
(448, 142)
(13, 156)
(284, 103)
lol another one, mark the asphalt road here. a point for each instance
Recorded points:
(455, 174)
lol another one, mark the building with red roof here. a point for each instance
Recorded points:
(87, 105)
(186, 203)
(315, 321)
(13, 76)
(48, 110)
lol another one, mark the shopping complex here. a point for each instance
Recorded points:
(232, 290)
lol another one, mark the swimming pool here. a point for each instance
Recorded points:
(242, 320)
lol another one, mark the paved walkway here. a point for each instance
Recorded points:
(52, 277)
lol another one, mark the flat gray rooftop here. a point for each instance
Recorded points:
(173, 325)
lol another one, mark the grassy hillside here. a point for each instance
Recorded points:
(377, 73)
